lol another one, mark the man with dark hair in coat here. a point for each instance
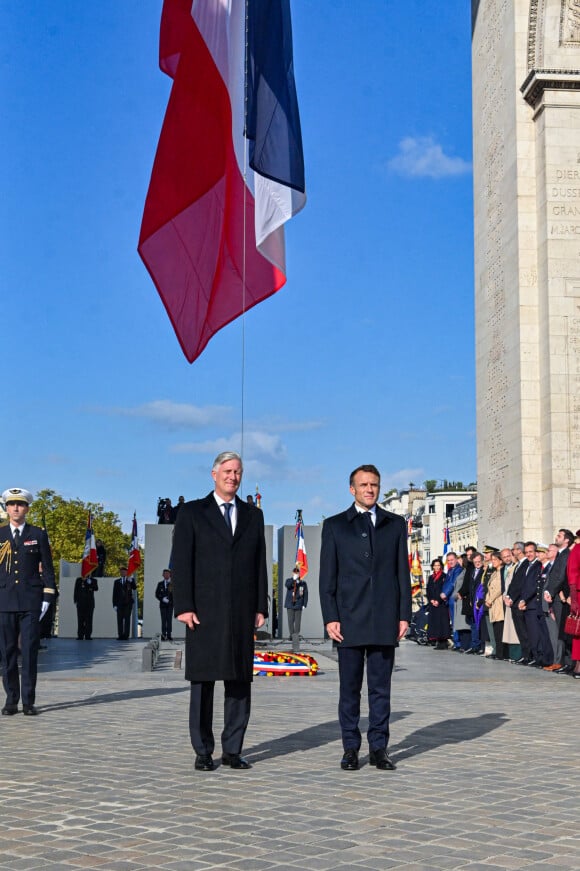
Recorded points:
(555, 594)
(26, 590)
(365, 594)
(123, 601)
(84, 599)
(541, 648)
(220, 592)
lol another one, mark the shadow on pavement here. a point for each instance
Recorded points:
(305, 739)
(446, 732)
(108, 698)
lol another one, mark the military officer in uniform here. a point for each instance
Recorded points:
(123, 603)
(26, 590)
(84, 599)
(164, 595)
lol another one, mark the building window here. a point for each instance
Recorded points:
(432, 508)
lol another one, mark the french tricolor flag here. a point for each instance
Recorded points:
(89, 561)
(229, 168)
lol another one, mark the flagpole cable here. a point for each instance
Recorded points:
(244, 231)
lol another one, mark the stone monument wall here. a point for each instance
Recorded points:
(526, 114)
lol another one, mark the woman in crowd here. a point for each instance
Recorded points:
(495, 606)
(438, 627)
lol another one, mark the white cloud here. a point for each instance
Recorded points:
(401, 479)
(177, 415)
(422, 156)
(259, 447)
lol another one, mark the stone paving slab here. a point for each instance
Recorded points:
(103, 779)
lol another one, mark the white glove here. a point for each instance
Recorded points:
(165, 599)
(114, 607)
(43, 610)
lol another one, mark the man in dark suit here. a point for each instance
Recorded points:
(84, 599)
(220, 592)
(555, 594)
(26, 590)
(531, 606)
(365, 594)
(123, 600)
(512, 599)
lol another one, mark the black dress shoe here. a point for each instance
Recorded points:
(234, 760)
(381, 760)
(566, 669)
(521, 661)
(9, 710)
(576, 675)
(471, 650)
(204, 763)
(349, 761)
(29, 711)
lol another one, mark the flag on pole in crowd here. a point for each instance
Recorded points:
(301, 559)
(134, 553)
(89, 562)
(416, 567)
(229, 168)
(446, 544)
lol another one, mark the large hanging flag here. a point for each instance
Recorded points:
(89, 561)
(301, 559)
(229, 168)
(134, 553)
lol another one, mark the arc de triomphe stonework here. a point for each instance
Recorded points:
(526, 122)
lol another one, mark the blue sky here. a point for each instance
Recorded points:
(366, 355)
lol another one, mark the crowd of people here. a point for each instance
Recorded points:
(516, 604)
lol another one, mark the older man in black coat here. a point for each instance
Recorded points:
(220, 591)
(365, 594)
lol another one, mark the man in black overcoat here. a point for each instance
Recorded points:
(220, 592)
(26, 590)
(84, 599)
(556, 592)
(365, 594)
(123, 601)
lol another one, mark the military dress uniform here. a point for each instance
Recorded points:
(123, 603)
(26, 581)
(164, 594)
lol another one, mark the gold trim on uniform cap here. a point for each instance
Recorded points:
(17, 494)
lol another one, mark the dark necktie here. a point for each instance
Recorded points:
(16, 537)
(227, 518)
(368, 518)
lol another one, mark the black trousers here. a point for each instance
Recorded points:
(351, 663)
(166, 612)
(539, 636)
(124, 621)
(237, 704)
(522, 632)
(85, 621)
(27, 625)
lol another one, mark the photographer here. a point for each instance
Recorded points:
(164, 511)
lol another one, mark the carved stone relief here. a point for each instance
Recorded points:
(570, 22)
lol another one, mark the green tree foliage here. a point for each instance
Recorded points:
(430, 484)
(65, 521)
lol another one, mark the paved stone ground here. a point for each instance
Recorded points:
(488, 773)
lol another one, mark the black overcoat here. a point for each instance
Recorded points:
(364, 585)
(438, 623)
(223, 579)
